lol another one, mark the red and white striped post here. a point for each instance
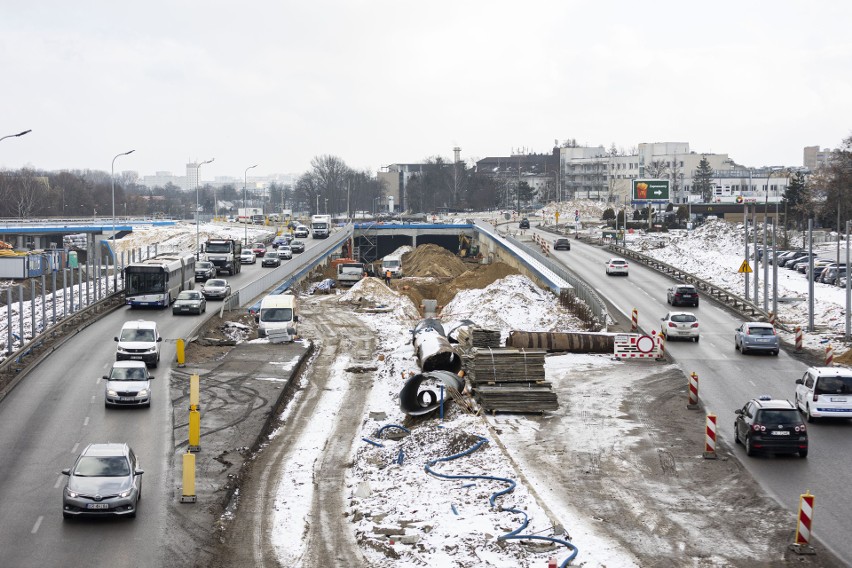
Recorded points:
(634, 320)
(551, 562)
(710, 437)
(804, 525)
(692, 404)
(772, 318)
(829, 355)
(798, 338)
(662, 340)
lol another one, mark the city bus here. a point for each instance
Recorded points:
(157, 281)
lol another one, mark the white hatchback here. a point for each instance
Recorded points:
(680, 325)
(616, 266)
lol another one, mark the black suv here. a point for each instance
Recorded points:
(682, 294)
(771, 426)
(562, 243)
(524, 224)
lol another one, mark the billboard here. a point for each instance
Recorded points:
(650, 190)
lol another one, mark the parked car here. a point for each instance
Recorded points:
(524, 224)
(616, 266)
(562, 244)
(798, 262)
(285, 252)
(680, 325)
(831, 274)
(756, 336)
(189, 302)
(139, 340)
(682, 294)
(259, 249)
(216, 289)
(128, 384)
(105, 480)
(272, 259)
(247, 257)
(771, 426)
(787, 257)
(297, 246)
(825, 392)
(203, 270)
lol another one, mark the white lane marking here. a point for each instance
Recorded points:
(93, 400)
(86, 421)
(752, 383)
(37, 524)
(74, 449)
(58, 482)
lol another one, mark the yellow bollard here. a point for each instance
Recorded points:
(194, 431)
(181, 355)
(188, 495)
(193, 391)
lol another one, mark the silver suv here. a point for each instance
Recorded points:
(105, 480)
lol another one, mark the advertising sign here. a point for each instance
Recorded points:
(651, 190)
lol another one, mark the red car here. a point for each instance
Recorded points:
(259, 249)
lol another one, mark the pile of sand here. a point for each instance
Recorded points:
(432, 260)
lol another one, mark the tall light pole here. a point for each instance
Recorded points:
(114, 255)
(16, 135)
(197, 183)
(245, 217)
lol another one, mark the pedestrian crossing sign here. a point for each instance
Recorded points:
(744, 267)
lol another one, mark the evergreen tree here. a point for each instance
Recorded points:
(703, 180)
(608, 214)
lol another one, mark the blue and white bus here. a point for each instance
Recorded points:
(157, 281)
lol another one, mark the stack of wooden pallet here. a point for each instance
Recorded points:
(509, 380)
(470, 337)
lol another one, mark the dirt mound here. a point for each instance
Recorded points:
(432, 260)
(845, 358)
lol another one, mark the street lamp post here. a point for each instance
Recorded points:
(197, 183)
(245, 217)
(16, 135)
(114, 255)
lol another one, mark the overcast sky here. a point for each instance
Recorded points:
(275, 82)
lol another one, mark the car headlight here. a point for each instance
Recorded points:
(72, 494)
(121, 349)
(125, 493)
(112, 392)
(143, 392)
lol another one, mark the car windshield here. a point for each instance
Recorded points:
(137, 335)
(686, 290)
(618, 262)
(189, 296)
(834, 385)
(204, 265)
(682, 318)
(102, 466)
(128, 374)
(215, 283)
(276, 314)
(271, 254)
(258, 245)
(247, 253)
(218, 247)
(779, 416)
(761, 331)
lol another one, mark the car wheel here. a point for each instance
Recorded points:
(736, 434)
(808, 414)
(695, 339)
(803, 453)
(696, 304)
(743, 349)
(775, 353)
(65, 515)
(749, 450)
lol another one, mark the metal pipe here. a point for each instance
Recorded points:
(810, 271)
(745, 234)
(756, 267)
(9, 340)
(21, 314)
(848, 287)
(32, 308)
(43, 303)
(53, 319)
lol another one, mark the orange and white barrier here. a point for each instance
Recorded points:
(710, 437)
(829, 355)
(804, 526)
(634, 320)
(798, 338)
(772, 318)
(693, 391)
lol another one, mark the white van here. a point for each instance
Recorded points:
(825, 392)
(277, 317)
(139, 341)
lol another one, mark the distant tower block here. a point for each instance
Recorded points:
(457, 152)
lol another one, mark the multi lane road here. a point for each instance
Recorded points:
(728, 380)
(58, 409)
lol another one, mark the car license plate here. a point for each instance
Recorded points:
(837, 399)
(184, 309)
(780, 433)
(136, 357)
(126, 398)
(687, 295)
(763, 341)
(97, 506)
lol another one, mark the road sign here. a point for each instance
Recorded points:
(744, 267)
(650, 190)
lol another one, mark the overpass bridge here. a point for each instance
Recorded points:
(39, 234)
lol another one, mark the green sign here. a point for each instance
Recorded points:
(645, 190)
